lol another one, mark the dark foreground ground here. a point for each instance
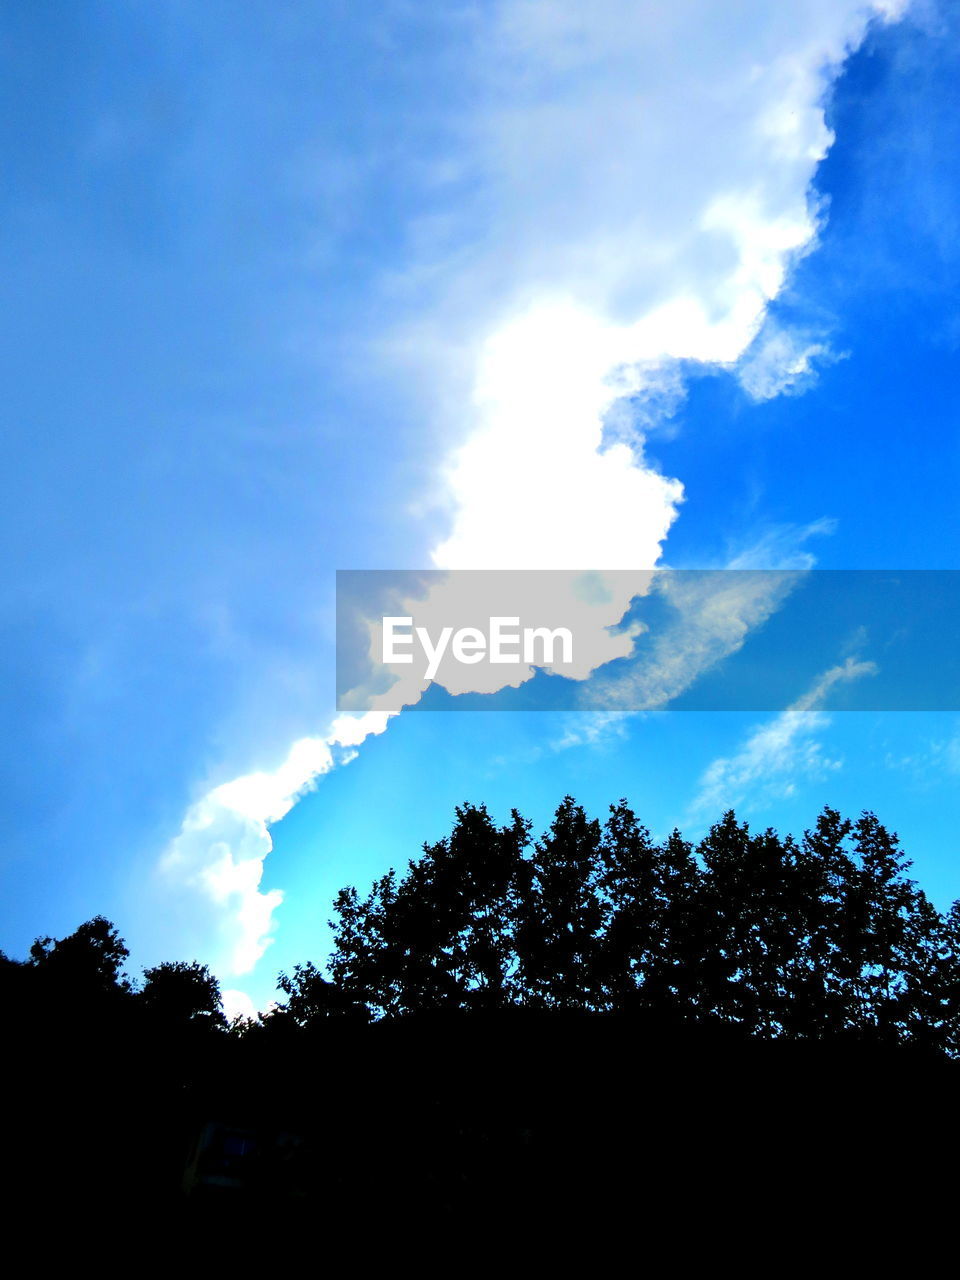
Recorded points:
(564, 1126)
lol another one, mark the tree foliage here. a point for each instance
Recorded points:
(88, 961)
(81, 976)
(541, 1010)
(182, 993)
(813, 938)
(445, 934)
(821, 937)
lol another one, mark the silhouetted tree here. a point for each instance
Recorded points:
(311, 999)
(85, 966)
(748, 926)
(938, 1010)
(707, 973)
(178, 994)
(440, 938)
(819, 938)
(648, 891)
(561, 917)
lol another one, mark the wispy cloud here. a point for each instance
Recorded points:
(780, 546)
(783, 362)
(714, 614)
(780, 754)
(936, 761)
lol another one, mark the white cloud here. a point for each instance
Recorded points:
(647, 171)
(714, 614)
(225, 837)
(645, 174)
(935, 762)
(782, 362)
(781, 546)
(641, 176)
(778, 754)
(595, 729)
(237, 1004)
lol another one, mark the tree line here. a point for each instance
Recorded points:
(578, 1024)
(812, 938)
(82, 976)
(819, 937)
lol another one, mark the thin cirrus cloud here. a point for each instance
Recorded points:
(777, 754)
(627, 196)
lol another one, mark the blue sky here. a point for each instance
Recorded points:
(298, 288)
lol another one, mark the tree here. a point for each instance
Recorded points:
(312, 998)
(809, 939)
(88, 962)
(179, 994)
(442, 937)
(900, 933)
(649, 893)
(561, 917)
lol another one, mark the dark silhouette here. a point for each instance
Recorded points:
(595, 1026)
(819, 938)
(181, 994)
(87, 964)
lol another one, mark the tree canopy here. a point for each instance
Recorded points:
(82, 975)
(523, 1021)
(810, 938)
(818, 937)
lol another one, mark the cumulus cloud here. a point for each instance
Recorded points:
(645, 174)
(225, 837)
(780, 753)
(648, 171)
(629, 194)
(237, 1004)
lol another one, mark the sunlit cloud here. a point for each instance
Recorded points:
(225, 837)
(639, 180)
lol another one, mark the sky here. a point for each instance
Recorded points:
(526, 284)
